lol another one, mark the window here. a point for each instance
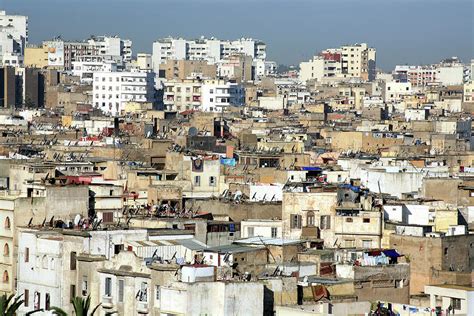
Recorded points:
(295, 221)
(325, 222)
(366, 244)
(250, 231)
(7, 223)
(72, 258)
(445, 251)
(398, 284)
(6, 250)
(108, 287)
(37, 299)
(121, 286)
(118, 248)
(143, 294)
(84, 286)
(274, 232)
(366, 220)
(349, 243)
(72, 292)
(6, 278)
(212, 181)
(46, 302)
(349, 220)
(310, 219)
(456, 303)
(108, 217)
(157, 292)
(27, 254)
(26, 297)
(197, 180)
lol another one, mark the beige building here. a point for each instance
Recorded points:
(187, 69)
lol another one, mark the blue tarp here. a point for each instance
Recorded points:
(311, 169)
(391, 253)
(354, 188)
(228, 162)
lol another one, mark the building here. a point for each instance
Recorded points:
(112, 90)
(455, 299)
(218, 95)
(8, 87)
(187, 69)
(326, 65)
(85, 69)
(13, 34)
(211, 50)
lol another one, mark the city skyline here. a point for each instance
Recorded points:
(287, 43)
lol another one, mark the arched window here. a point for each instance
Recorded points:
(6, 250)
(44, 262)
(7, 223)
(6, 278)
(310, 219)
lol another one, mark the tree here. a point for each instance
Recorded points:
(81, 307)
(9, 308)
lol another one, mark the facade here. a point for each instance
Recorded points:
(13, 34)
(211, 50)
(112, 90)
(85, 69)
(204, 95)
(218, 95)
(348, 61)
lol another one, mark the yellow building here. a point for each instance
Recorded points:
(36, 57)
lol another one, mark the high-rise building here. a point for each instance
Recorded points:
(8, 87)
(348, 61)
(113, 90)
(211, 50)
(13, 36)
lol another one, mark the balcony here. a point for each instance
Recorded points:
(142, 307)
(107, 301)
(310, 232)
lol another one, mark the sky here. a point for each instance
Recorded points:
(402, 31)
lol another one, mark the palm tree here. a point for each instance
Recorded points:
(81, 307)
(7, 307)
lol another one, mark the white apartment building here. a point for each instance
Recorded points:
(468, 95)
(205, 95)
(218, 95)
(112, 90)
(394, 91)
(320, 67)
(446, 73)
(211, 50)
(13, 35)
(104, 46)
(85, 69)
(182, 95)
(350, 61)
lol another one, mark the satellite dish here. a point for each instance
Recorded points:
(77, 219)
(193, 131)
(237, 195)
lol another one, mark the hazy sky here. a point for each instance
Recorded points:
(402, 31)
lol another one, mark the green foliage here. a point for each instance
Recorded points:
(9, 307)
(81, 307)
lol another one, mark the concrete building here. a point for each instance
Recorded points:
(218, 95)
(85, 69)
(112, 90)
(8, 87)
(13, 34)
(258, 227)
(436, 260)
(186, 70)
(211, 50)
(455, 299)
